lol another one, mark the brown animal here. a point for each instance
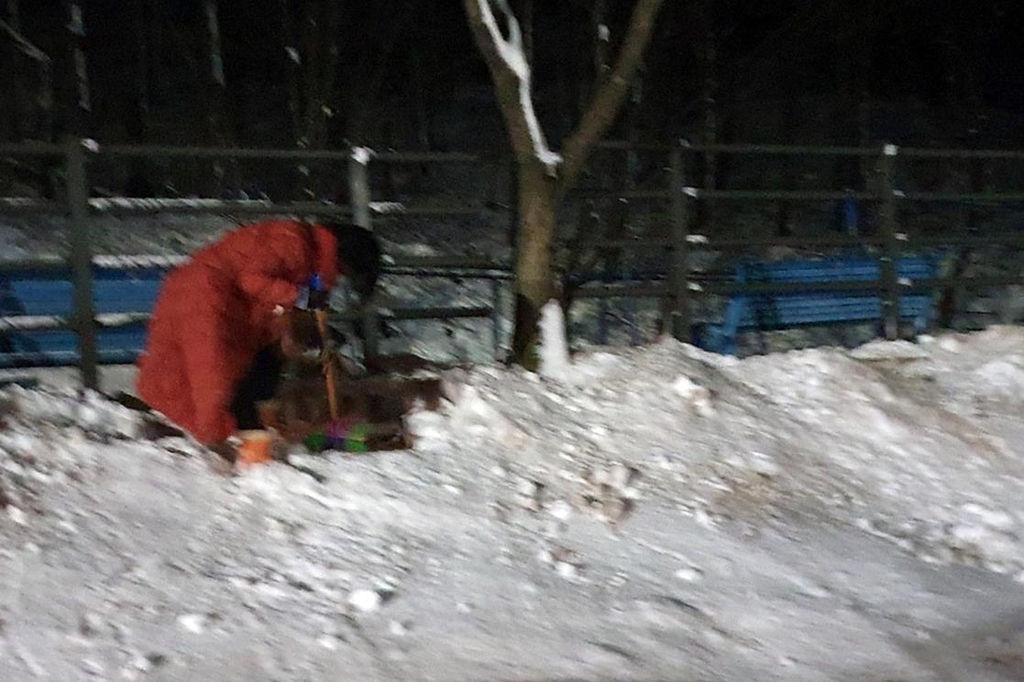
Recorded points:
(301, 406)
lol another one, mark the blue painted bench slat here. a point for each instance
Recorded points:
(58, 348)
(795, 311)
(746, 312)
(50, 293)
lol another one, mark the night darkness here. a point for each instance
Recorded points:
(407, 68)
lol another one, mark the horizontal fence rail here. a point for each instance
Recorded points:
(676, 282)
(75, 155)
(682, 284)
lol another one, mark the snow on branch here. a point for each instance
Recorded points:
(507, 57)
(511, 50)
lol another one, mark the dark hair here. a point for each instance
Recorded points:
(360, 253)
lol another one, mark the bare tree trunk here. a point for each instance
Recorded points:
(290, 41)
(140, 92)
(321, 76)
(80, 104)
(325, 100)
(420, 97)
(968, 101)
(154, 46)
(312, 57)
(601, 35)
(218, 81)
(544, 177)
(789, 127)
(293, 68)
(218, 130)
(596, 61)
(710, 127)
(853, 51)
(864, 132)
(617, 226)
(26, 107)
(311, 50)
(22, 55)
(863, 88)
(138, 184)
(535, 284)
(13, 78)
(13, 15)
(369, 100)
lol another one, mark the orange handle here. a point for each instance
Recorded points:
(332, 396)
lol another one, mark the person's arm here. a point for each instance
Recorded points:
(269, 290)
(273, 279)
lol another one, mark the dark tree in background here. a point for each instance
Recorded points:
(78, 110)
(543, 175)
(408, 74)
(310, 35)
(144, 48)
(395, 72)
(27, 76)
(219, 131)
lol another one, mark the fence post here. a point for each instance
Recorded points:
(359, 198)
(81, 261)
(496, 316)
(359, 186)
(680, 293)
(890, 247)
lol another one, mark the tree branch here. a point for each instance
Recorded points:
(608, 99)
(24, 45)
(510, 73)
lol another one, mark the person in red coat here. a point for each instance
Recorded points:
(220, 325)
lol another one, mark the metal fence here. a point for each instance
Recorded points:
(680, 284)
(74, 156)
(677, 285)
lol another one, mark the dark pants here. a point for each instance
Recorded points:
(259, 383)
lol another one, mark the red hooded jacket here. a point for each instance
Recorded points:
(214, 313)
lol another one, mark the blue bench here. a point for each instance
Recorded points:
(122, 298)
(747, 312)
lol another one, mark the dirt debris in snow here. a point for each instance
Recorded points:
(869, 497)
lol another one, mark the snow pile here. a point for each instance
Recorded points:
(554, 347)
(87, 411)
(665, 514)
(880, 438)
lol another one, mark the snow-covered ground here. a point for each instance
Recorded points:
(647, 514)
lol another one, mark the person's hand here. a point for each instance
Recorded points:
(313, 296)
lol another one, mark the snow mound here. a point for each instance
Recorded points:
(554, 346)
(666, 513)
